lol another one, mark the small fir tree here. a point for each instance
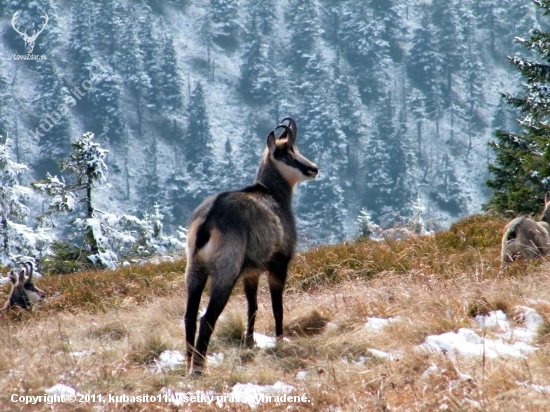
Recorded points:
(88, 168)
(105, 237)
(366, 228)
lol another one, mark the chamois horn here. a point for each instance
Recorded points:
(288, 133)
(292, 125)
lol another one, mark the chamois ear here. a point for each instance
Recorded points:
(12, 277)
(22, 275)
(271, 146)
(547, 197)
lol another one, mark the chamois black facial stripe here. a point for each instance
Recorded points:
(281, 154)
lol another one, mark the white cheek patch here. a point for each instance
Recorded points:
(292, 175)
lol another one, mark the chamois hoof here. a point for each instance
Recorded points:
(249, 342)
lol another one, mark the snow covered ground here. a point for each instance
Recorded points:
(508, 340)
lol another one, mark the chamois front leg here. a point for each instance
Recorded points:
(251, 291)
(277, 282)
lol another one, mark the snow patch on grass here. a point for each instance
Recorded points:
(60, 389)
(169, 360)
(467, 342)
(215, 359)
(245, 393)
(381, 355)
(251, 394)
(378, 324)
(266, 342)
(511, 341)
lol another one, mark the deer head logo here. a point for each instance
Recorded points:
(29, 40)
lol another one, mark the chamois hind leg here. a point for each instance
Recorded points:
(221, 291)
(251, 291)
(195, 280)
(277, 282)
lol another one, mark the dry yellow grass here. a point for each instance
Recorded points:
(103, 340)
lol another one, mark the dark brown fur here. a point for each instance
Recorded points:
(239, 235)
(525, 238)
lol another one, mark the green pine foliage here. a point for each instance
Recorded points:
(521, 170)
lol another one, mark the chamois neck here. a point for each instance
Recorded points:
(271, 178)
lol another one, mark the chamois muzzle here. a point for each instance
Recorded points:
(313, 172)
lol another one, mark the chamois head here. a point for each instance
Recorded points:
(285, 156)
(24, 293)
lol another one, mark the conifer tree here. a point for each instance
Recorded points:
(81, 46)
(450, 40)
(322, 221)
(230, 177)
(386, 165)
(14, 234)
(150, 193)
(186, 188)
(489, 17)
(198, 139)
(424, 63)
(425, 68)
(445, 187)
(321, 140)
(370, 36)
(87, 165)
(52, 110)
(224, 23)
(170, 83)
(148, 51)
(104, 98)
(305, 31)
(263, 17)
(258, 78)
(250, 152)
(101, 235)
(352, 128)
(386, 11)
(521, 171)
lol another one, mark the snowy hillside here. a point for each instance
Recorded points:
(395, 100)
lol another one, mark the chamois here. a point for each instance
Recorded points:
(241, 234)
(24, 293)
(525, 238)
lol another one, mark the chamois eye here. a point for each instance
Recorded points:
(287, 157)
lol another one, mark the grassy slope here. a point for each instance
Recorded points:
(123, 319)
